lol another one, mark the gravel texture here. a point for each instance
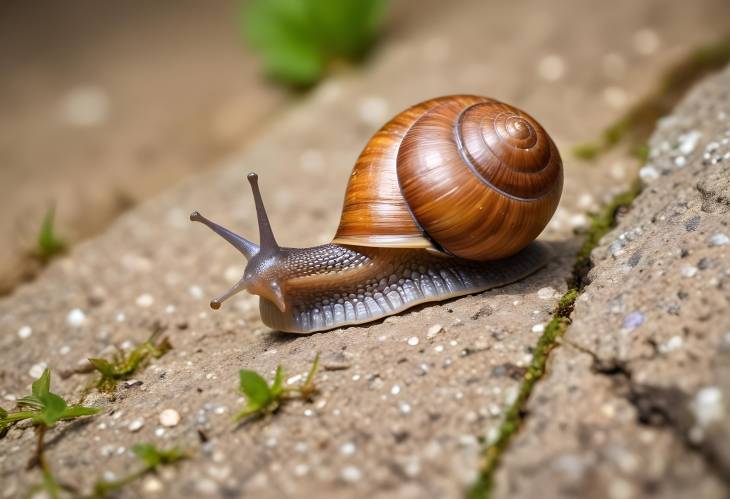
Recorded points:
(396, 417)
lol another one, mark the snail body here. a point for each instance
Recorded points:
(445, 200)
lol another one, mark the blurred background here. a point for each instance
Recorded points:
(104, 104)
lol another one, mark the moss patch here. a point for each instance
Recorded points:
(637, 124)
(601, 223)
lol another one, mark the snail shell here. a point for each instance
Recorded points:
(467, 175)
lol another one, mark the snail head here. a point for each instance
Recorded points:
(261, 274)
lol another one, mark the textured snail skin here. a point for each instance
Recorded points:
(332, 286)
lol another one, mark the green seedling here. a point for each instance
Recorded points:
(49, 244)
(299, 40)
(124, 364)
(263, 398)
(44, 409)
(151, 457)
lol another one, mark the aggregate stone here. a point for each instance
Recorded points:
(637, 400)
(408, 416)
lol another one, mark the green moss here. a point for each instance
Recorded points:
(600, 224)
(514, 415)
(49, 244)
(637, 124)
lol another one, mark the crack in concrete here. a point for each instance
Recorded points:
(601, 223)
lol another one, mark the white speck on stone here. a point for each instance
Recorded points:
(689, 271)
(615, 97)
(551, 67)
(510, 395)
(351, 474)
(136, 425)
(395, 390)
(673, 343)
(151, 485)
(232, 274)
(120, 317)
(434, 330)
(620, 489)
(145, 300)
(718, 239)
(159, 432)
(404, 407)
(36, 371)
(438, 348)
(206, 486)
(196, 292)
(585, 201)
(170, 309)
(373, 110)
(308, 413)
(645, 41)
(85, 105)
(64, 350)
(347, 449)
(293, 379)
(75, 317)
(648, 173)
(169, 417)
(578, 221)
(25, 332)
(688, 141)
(413, 341)
(301, 469)
(708, 406)
(680, 161)
(547, 293)
(538, 328)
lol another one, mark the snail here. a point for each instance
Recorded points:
(446, 199)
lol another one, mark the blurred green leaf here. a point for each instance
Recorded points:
(123, 364)
(152, 457)
(298, 39)
(255, 388)
(44, 407)
(49, 244)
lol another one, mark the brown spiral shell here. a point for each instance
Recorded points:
(470, 175)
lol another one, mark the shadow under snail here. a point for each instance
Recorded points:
(445, 200)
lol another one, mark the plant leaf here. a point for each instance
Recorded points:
(152, 457)
(277, 387)
(255, 388)
(49, 244)
(104, 367)
(42, 385)
(309, 382)
(76, 411)
(53, 408)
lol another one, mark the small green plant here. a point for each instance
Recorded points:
(299, 39)
(49, 244)
(44, 409)
(265, 399)
(124, 364)
(151, 457)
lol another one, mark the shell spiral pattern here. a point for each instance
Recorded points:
(478, 178)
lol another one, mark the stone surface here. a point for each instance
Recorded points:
(637, 400)
(394, 418)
